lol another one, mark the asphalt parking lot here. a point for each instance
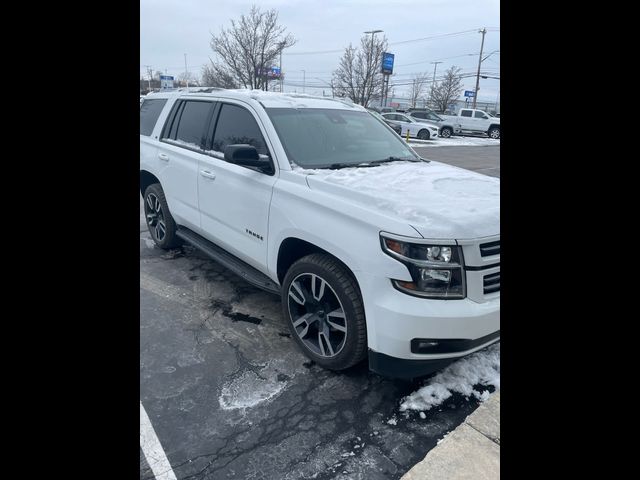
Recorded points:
(229, 394)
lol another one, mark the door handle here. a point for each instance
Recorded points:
(208, 174)
(163, 156)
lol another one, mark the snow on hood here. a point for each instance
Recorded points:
(439, 200)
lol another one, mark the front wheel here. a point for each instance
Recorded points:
(322, 305)
(494, 133)
(424, 135)
(446, 132)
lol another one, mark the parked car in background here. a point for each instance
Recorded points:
(417, 129)
(475, 122)
(447, 127)
(395, 127)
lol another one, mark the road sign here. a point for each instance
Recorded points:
(271, 72)
(469, 93)
(166, 82)
(387, 63)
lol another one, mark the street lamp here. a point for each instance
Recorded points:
(372, 32)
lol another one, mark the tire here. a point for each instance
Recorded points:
(494, 133)
(446, 132)
(327, 323)
(424, 134)
(157, 214)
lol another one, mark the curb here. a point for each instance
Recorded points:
(471, 451)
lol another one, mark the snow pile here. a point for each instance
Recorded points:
(249, 390)
(480, 368)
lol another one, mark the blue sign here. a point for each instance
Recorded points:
(469, 93)
(387, 63)
(166, 82)
(271, 72)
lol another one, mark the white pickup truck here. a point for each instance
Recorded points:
(375, 251)
(474, 121)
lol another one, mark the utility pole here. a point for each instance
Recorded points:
(186, 76)
(433, 83)
(475, 96)
(304, 80)
(281, 76)
(372, 32)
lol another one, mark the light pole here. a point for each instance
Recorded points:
(186, 76)
(433, 83)
(372, 32)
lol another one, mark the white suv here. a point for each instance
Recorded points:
(375, 251)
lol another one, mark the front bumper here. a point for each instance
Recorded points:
(394, 367)
(395, 319)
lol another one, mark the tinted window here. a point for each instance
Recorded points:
(419, 115)
(465, 113)
(193, 121)
(237, 125)
(149, 113)
(402, 118)
(479, 115)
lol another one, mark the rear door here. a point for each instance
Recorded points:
(181, 148)
(234, 200)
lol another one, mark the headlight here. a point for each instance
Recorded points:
(436, 270)
(434, 129)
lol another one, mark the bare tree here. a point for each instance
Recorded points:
(249, 47)
(448, 90)
(358, 75)
(216, 75)
(417, 90)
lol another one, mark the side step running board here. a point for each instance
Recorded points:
(226, 259)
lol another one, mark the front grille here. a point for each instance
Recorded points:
(491, 248)
(491, 283)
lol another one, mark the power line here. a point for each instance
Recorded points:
(442, 35)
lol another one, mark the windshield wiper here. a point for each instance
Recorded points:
(373, 163)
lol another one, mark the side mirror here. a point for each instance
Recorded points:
(247, 156)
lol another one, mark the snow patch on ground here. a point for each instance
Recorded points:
(249, 390)
(480, 368)
(456, 142)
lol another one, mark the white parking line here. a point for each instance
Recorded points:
(153, 451)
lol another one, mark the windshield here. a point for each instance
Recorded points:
(326, 138)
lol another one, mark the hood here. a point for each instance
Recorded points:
(438, 200)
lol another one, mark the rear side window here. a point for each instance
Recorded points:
(237, 125)
(149, 112)
(192, 122)
(465, 113)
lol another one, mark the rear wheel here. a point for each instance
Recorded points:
(424, 134)
(160, 223)
(323, 308)
(446, 132)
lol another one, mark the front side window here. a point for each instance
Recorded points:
(480, 115)
(465, 113)
(322, 137)
(402, 118)
(236, 125)
(149, 112)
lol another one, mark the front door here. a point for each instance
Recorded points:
(234, 201)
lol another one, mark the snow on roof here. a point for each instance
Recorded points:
(267, 99)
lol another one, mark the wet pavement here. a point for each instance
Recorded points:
(230, 395)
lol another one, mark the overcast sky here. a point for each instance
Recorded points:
(171, 28)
